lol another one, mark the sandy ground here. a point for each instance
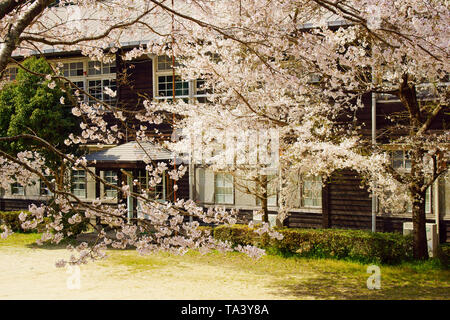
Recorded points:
(27, 273)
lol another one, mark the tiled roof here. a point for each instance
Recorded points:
(131, 152)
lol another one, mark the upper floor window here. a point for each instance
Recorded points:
(272, 192)
(166, 85)
(400, 159)
(97, 89)
(223, 188)
(427, 202)
(72, 69)
(10, 73)
(97, 67)
(165, 63)
(92, 76)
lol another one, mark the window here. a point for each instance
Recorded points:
(79, 183)
(17, 189)
(97, 67)
(72, 69)
(43, 189)
(146, 183)
(185, 89)
(427, 202)
(272, 199)
(311, 191)
(223, 188)
(10, 73)
(165, 86)
(92, 76)
(165, 63)
(96, 88)
(111, 177)
(400, 159)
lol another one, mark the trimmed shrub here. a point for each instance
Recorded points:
(11, 219)
(444, 255)
(359, 245)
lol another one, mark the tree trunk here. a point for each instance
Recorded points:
(420, 247)
(265, 210)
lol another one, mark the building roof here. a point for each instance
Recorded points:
(131, 152)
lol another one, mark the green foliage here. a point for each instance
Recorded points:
(28, 105)
(357, 245)
(443, 255)
(69, 230)
(11, 219)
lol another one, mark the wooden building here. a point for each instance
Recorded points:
(341, 203)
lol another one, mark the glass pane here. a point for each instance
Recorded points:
(398, 158)
(427, 200)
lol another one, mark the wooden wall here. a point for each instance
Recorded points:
(17, 204)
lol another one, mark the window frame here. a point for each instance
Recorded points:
(193, 92)
(146, 180)
(269, 198)
(232, 194)
(19, 186)
(112, 179)
(43, 187)
(10, 76)
(79, 182)
(86, 77)
(316, 179)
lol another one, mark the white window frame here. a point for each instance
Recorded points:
(43, 190)
(406, 163)
(111, 177)
(222, 177)
(316, 182)
(192, 95)
(17, 186)
(272, 201)
(428, 197)
(74, 180)
(144, 184)
(86, 77)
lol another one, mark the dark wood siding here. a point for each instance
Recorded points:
(347, 196)
(135, 82)
(304, 220)
(17, 204)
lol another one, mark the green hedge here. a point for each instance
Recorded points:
(11, 219)
(359, 245)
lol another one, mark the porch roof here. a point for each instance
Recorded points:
(130, 152)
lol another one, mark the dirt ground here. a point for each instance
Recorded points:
(27, 273)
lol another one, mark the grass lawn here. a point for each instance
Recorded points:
(291, 277)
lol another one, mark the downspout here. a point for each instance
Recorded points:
(129, 197)
(192, 183)
(374, 142)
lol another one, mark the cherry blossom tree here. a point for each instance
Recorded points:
(97, 29)
(301, 68)
(304, 69)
